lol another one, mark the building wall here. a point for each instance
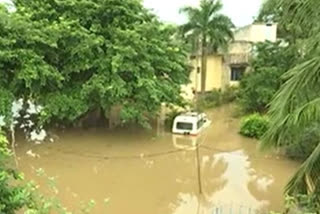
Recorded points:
(263, 32)
(219, 66)
(214, 73)
(238, 47)
(258, 32)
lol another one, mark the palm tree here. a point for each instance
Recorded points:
(297, 104)
(209, 28)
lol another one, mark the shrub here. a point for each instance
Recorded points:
(254, 126)
(257, 89)
(216, 98)
(229, 95)
(302, 204)
(17, 195)
(13, 197)
(209, 100)
(305, 144)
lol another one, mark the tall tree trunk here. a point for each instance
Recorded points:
(204, 57)
(197, 72)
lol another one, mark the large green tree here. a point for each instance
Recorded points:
(274, 12)
(269, 62)
(209, 28)
(16, 61)
(76, 56)
(297, 104)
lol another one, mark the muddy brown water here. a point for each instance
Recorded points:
(142, 172)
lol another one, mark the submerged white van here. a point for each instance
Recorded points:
(191, 123)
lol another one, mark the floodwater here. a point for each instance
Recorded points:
(142, 172)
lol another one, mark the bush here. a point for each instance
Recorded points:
(216, 98)
(254, 126)
(229, 95)
(209, 100)
(17, 195)
(257, 89)
(305, 144)
(13, 197)
(302, 204)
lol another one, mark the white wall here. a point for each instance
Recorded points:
(257, 33)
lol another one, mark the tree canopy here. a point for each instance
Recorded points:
(297, 103)
(283, 14)
(208, 27)
(269, 62)
(206, 22)
(72, 57)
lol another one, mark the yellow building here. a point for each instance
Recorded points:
(226, 69)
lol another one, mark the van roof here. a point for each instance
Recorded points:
(189, 117)
(192, 114)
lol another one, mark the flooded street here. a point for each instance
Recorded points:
(140, 172)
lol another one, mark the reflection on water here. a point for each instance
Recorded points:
(142, 174)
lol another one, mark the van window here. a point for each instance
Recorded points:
(200, 123)
(184, 126)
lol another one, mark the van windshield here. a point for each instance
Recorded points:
(184, 126)
(200, 123)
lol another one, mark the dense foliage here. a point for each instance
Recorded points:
(305, 143)
(270, 61)
(296, 105)
(273, 11)
(216, 98)
(73, 57)
(254, 126)
(12, 197)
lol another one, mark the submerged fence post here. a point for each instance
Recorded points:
(199, 170)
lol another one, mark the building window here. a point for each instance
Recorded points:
(237, 73)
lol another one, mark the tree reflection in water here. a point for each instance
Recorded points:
(268, 176)
(144, 174)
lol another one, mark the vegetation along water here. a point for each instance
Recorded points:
(87, 88)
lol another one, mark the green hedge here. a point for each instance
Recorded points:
(254, 126)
